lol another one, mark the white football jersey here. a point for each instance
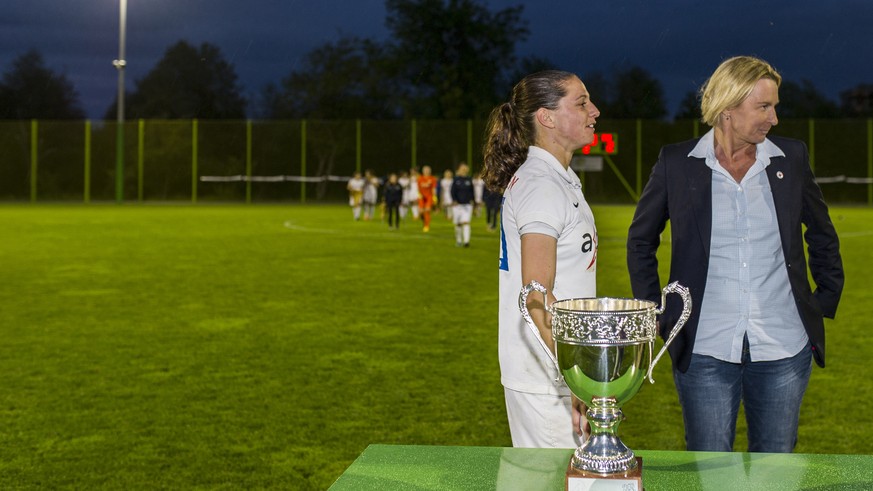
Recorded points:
(356, 184)
(541, 190)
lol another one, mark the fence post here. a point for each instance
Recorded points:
(248, 161)
(358, 145)
(303, 160)
(639, 186)
(812, 144)
(34, 128)
(194, 160)
(414, 144)
(470, 146)
(870, 161)
(119, 161)
(87, 184)
(140, 159)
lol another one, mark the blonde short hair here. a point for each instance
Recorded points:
(731, 83)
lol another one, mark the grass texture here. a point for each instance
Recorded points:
(241, 347)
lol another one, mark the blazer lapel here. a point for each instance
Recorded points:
(700, 189)
(780, 184)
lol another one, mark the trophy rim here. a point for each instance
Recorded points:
(650, 305)
(607, 342)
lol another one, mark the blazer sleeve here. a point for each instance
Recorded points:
(823, 245)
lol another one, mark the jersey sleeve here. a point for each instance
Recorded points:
(539, 228)
(540, 200)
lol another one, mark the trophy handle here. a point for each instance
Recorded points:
(522, 305)
(674, 287)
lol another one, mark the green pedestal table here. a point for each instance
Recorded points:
(412, 467)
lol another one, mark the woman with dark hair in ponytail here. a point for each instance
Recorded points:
(547, 234)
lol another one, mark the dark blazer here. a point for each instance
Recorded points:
(680, 190)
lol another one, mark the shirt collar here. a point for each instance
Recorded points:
(705, 149)
(543, 154)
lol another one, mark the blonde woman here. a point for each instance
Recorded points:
(738, 201)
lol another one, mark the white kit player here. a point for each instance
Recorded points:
(371, 194)
(403, 180)
(478, 194)
(356, 194)
(410, 193)
(543, 198)
(446, 193)
(547, 234)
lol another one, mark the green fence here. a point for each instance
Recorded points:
(308, 160)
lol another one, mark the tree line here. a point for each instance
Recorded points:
(442, 60)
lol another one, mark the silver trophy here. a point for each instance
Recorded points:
(602, 346)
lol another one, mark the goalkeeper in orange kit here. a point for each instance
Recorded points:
(426, 195)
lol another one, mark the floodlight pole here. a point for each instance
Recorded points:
(119, 64)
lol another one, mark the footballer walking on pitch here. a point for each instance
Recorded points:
(462, 204)
(427, 184)
(356, 194)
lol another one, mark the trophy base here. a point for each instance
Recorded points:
(579, 480)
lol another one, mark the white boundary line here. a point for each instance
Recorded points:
(290, 225)
(665, 238)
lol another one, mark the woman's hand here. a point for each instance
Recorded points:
(580, 423)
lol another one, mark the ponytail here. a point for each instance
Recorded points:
(505, 147)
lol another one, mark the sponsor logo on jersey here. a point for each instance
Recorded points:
(589, 245)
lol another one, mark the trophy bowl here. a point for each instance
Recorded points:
(603, 351)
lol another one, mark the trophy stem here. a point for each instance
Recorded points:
(604, 453)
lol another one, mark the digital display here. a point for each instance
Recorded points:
(603, 144)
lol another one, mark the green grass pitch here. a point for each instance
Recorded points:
(229, 347)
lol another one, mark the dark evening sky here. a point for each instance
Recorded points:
(678, 41)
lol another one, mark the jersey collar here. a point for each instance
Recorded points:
(544, 155)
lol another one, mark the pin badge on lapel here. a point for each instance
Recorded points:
(779, 175)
